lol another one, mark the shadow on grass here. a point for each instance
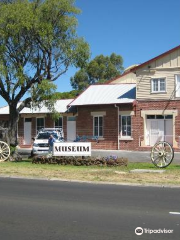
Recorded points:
(22, 161)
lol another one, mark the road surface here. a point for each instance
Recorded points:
(53, 210)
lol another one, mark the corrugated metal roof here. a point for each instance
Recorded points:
(106, 94)
(60, 106)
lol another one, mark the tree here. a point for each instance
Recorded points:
(68, 95)
(38, 42)
(99, 70)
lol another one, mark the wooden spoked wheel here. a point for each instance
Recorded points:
(4, 151)
(162, 154)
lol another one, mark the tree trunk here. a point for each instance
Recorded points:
(12, 125)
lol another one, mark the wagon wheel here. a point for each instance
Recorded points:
(4, 151)
(162, 154)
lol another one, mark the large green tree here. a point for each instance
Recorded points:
(100, 69)
(38, 42)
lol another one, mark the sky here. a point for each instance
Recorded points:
(138, 30)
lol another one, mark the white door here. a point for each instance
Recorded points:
(168, 125)
(71, 129)
(27, 131)
(156, 131)
(147, 134)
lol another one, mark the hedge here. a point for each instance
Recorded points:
(82, 161)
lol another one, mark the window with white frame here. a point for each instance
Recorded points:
(126, 126)
(98, 126)
(158, 85)
(177, 80)
(39, 123)
(58, 123)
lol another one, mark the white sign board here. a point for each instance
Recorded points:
(72, 149)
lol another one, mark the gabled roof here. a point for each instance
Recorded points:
(154, 59)
(60, 106)
(136, 67)
(106, 94)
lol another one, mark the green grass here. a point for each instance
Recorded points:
(28, 164)
(92, 173)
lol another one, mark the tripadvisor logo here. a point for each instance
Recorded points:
(138, 231)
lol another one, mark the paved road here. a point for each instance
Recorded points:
(46, 210)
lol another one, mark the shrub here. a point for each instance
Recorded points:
(82, 161)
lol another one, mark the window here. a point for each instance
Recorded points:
(58, 123)
(151, 116)
(126, 126)
(168, 116)
(158, 85)
(28, 120)
(159, 116)
(71, 119)
(177, 78)
(98, 126)
(39, 123)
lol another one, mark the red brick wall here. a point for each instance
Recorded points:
(138, 125)
(4, 117)
(136, 129)
(34, 132)
(49, 123)
(161, 105)
(84, 124)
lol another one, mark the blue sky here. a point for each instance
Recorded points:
(138, 30)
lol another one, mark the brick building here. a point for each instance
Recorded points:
(31, 120)
(157, 110)
(152, 116)
(100, 111)
(131, 112)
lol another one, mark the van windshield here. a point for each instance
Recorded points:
(45, 135)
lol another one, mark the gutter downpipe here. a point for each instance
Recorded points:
(118, 123)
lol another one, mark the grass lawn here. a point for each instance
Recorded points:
(93, 173)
